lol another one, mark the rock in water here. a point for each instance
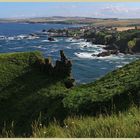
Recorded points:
(44, 30)
(51, 39)
(103, 54)
(107, 53)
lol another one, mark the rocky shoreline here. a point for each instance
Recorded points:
(115, 42)
(126, 42)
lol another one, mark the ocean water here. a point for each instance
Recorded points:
(14, 37)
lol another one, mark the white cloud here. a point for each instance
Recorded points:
(120, 11)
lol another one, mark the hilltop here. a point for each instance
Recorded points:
(30, 86)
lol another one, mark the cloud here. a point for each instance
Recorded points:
(91, 9)
(115, 9)
(120, 11)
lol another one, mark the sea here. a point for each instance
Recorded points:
(87, 67)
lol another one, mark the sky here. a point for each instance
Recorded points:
(84, 9)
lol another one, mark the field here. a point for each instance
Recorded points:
(124, 28)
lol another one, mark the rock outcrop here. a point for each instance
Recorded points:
(51, 39)
(62, 68)
(107, 53)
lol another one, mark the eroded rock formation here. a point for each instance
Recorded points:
(62, 68)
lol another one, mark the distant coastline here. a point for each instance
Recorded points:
(75, 20)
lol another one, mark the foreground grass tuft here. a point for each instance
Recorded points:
(126, 125)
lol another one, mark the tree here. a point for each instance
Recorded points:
(131, 44)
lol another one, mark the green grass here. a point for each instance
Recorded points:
(26, 92)
(119, 88)
(123, 125)
(13, 65)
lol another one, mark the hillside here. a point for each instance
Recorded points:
(118, 89)
(26, 92)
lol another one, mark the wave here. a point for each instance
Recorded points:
(103, 68)
(68, 47)
(39, 47)
(84, 44)
(11, 38)
(125, 62)
(92, 55)
(89, 47)
(84, 55)
(119, 66)
(15, 48)
(32, 37)
(2, 37)
(54, 50)
(101, 46)
(72, 40)
(19, 37)
(46, 40)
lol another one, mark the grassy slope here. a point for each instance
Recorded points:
(120, 87)
(123, 125)
(25, 92)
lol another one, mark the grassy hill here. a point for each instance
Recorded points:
(27, 93)
(118, 89)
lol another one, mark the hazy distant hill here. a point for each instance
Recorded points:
(78, 20)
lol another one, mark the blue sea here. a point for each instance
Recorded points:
(15, 37)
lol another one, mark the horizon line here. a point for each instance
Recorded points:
(32, 17)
